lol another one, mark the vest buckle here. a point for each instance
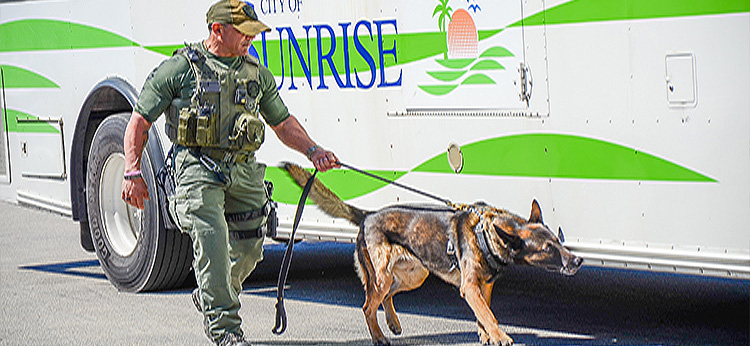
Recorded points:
(229, 157)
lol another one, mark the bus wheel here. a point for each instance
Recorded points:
(135, 250)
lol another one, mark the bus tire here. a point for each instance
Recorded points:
(135, 250)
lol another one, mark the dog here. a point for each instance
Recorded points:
(398, 246)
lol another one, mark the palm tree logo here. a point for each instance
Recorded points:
(445, 12)
(463, 65)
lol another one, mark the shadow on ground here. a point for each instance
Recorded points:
(613, 306)
(644, 307)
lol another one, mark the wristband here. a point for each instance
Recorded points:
(133, 175)
(311, 151)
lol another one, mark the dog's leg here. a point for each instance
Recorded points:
(471, 291)
(408, 273)
(390, 315)
(486, 289)
(377, 289)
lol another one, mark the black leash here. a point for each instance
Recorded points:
(445, 201)
(280, 326)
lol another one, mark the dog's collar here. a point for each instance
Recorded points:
(495, 263)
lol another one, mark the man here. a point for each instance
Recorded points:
(213, 94)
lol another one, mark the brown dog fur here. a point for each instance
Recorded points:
(399, 246)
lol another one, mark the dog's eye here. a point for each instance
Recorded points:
(548, 248)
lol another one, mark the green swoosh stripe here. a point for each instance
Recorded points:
(487, 65)
(347, 184)
(165, 50)
(16, 77)
(478, 79)
(438, 90)
(584, 11)
(20, 127)
(455, 64)
(527, 155)
(563, 156)
(49, 34)
(446, 76)
(411, 47)
(496, 52)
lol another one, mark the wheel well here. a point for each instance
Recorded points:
(110, 96)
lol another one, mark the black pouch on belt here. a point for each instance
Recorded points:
(268, 210)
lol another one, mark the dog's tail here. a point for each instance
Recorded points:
(335, 207)
(326, 200)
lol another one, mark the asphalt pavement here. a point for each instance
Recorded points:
(52, 292)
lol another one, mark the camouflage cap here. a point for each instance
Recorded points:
(238, 13)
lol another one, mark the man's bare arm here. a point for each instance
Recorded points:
(134, 191)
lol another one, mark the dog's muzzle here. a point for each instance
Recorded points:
(572, 266)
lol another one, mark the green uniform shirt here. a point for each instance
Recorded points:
(174, 79)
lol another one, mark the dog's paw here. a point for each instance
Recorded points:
(505, 340)
(395, 328)
(382, 341)
(484, 338)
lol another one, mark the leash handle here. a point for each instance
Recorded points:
(409, 188)
(280, 326)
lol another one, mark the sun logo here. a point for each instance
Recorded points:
(463, 39)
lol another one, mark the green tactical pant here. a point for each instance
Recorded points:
(220, 264)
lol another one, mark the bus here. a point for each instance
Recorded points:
(628, 120)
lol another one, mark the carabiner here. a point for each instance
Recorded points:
(213, 167)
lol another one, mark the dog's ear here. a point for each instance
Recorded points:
(505, 231)
(536, 213)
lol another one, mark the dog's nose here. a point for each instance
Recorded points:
(578, 261)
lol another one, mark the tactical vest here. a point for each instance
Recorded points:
(223, 111)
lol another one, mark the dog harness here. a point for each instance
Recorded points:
(495, 263)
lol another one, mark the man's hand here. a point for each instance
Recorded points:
(135, 192)
(324, 160)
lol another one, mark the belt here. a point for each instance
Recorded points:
(210, 156)
(226, 156)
